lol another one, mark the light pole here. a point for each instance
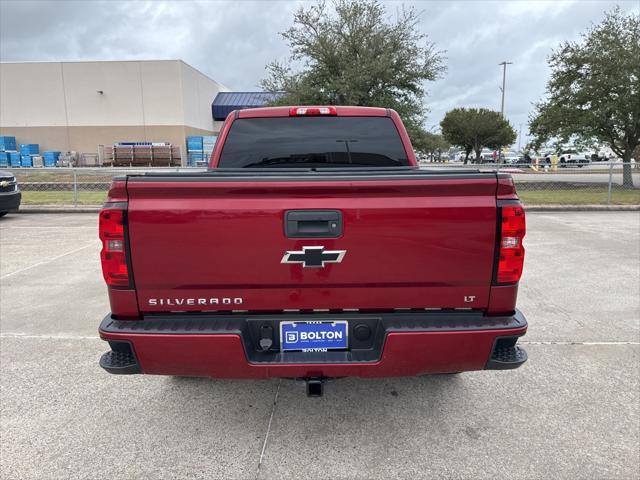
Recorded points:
(504, 78)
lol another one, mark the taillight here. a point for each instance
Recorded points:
(312, 111)
(511, 250)
(113, 255)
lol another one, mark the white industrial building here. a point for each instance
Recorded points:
(77, 106)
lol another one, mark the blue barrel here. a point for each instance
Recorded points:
(51, 158)
(14, 159)
(26, 161)
(29, 149)
(4, 159)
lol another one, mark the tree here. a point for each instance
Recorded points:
(431, 144)
(473, 129)
(356, 55)
(594, 90)
(456, 131)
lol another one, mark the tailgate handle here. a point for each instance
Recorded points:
(313, 223)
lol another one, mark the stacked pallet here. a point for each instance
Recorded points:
(30, 153)
(7, 143)
(142, 154)
(199, 149)
(9, 155)
(51, 158)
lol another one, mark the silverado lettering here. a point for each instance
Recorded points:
(194, 301)
(429, 284)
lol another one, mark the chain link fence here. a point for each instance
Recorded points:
(76, 187)
(598, 183)
(593, 183)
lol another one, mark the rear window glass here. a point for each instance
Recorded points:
(313, 142)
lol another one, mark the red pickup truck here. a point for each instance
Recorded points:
(312, 248)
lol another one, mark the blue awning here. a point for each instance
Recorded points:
(227, 102)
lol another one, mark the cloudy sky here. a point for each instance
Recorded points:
(232, 41)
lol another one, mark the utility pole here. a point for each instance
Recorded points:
(504, 78)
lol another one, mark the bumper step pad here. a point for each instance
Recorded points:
(505, 358)
(123, 363)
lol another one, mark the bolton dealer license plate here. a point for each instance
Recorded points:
(313, 336)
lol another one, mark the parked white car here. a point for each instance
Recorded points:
(487, 156)
(461, 154)
(512, 158)
(570, 156)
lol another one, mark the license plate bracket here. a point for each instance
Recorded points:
(314, 336)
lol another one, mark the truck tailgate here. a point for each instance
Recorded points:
(207, 242)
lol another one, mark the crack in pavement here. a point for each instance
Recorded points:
(44, 262)
(266, 437)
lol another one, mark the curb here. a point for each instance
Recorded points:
(58, 209)
(529, 208)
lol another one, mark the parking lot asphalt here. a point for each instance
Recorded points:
(573, 411)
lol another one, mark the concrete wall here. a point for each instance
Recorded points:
(32, 94)
(61, 107)
(198, 92)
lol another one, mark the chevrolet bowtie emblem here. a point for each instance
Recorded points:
(314, 256)
(4, 184)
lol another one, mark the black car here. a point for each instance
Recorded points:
(9, 193)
